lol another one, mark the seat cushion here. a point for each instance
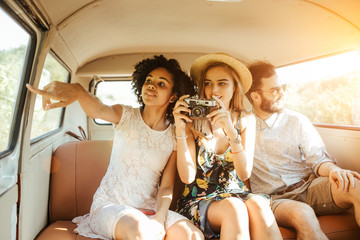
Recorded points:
(61, 230)
(77, 169)
(336, 227)
(342, 226)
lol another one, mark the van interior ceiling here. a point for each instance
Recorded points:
(126, 27)
(97, 42)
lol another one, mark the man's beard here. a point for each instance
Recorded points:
(271, 106)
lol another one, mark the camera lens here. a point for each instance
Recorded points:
(197, 112)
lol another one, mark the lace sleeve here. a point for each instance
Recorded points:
(127, 112)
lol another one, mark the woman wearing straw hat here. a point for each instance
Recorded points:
(215, 154)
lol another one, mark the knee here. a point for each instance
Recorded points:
(193, 234)
(233, 207)
(346, 199)
(303, 212)
(355, 192)
(184, 230)
(258, 203)
(259, 209)
(196, 235)
(129, 228)
(349, 191)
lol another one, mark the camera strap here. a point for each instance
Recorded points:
(210, 126)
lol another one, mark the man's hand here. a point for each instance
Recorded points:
(342, 178)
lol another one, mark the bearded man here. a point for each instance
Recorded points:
(291, 163)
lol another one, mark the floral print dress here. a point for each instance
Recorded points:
(215, 180)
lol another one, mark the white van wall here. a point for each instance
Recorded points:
(344, 145)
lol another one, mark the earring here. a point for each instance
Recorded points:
(172, 100)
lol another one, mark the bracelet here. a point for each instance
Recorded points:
(237, 152)
(236, 140)
(185, 137)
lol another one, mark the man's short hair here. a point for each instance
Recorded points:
(259, 70)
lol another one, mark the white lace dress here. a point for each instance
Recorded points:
(138, 158)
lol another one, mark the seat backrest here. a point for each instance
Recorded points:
(76, 171)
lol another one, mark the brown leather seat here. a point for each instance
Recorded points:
(77, 169)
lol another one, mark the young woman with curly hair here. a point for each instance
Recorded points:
(130, 203)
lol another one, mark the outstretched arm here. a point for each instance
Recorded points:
(66, 93)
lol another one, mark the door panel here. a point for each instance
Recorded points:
(8, 209)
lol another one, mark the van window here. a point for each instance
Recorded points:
(327, 90)
(48, 121)
(14, 44)
(115, 92)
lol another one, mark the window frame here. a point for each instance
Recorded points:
(24, 78)
(336, 126)
(97, 80)
(62, 115)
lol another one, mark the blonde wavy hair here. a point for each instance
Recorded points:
(236, 102)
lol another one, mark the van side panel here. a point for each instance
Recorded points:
(8, 209)
(344, 145)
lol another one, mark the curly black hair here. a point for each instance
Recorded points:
(183, 84)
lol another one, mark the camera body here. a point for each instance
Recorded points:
(200, 107)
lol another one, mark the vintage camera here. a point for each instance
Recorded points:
(200, 107)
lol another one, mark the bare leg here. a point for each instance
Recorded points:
(347, 199)
(184, 230)
(134, 225)
(262, 220)
(229, 217)
(301, 217)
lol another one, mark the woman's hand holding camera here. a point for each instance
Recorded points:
(221, 117)
(180, 115)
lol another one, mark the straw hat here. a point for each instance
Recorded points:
(202, 62)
